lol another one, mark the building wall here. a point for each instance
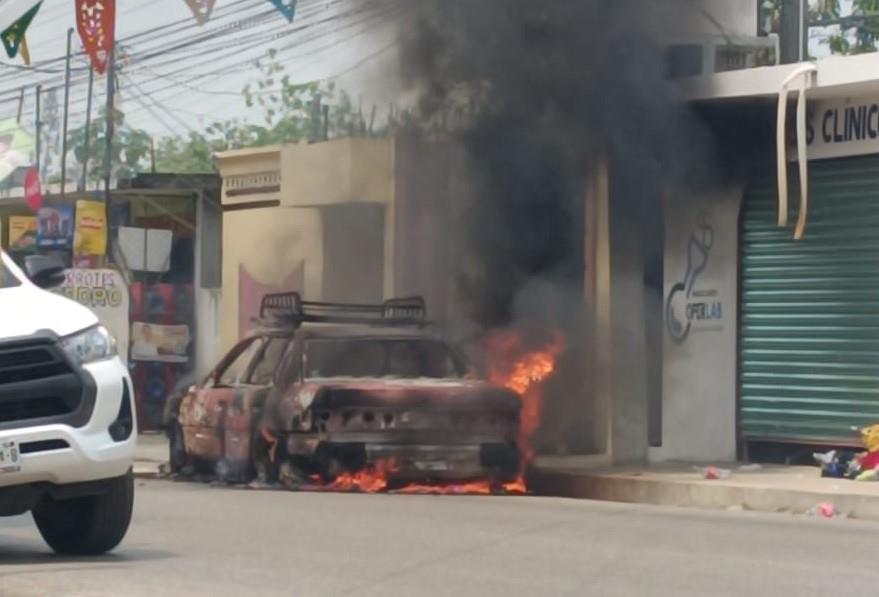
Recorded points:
(699, 366)
(273, 245)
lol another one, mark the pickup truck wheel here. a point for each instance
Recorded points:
(88, 525)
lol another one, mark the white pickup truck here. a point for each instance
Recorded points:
(67, 424)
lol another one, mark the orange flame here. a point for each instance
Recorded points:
(375, 480)
(515, 367)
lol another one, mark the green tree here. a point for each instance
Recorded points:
(291, 113)
(854, 33)
(130, 148)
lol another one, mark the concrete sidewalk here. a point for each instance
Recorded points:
(792, 489)
(152, 452)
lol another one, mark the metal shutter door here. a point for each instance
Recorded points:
(809, 336)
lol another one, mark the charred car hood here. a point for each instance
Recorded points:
(453, 394)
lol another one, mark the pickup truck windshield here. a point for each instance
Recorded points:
(7, 279)
(398, 358)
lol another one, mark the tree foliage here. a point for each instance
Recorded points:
(852, 27)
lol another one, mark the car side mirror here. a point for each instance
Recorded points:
(45, 271)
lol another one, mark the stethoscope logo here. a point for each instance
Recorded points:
(698, 250)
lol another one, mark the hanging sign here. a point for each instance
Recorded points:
(13, 36)
(91, 228)
(287, 8)
(55, 227)
(96, 24)
(33, 193)
(201, 9)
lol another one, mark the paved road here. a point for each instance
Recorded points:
(197, 540)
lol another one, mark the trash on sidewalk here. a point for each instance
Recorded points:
(712, 473)
(750, 468)
(846, 464)
(823, 510)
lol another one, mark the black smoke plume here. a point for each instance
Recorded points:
(536, 92)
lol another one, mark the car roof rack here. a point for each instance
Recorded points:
(289, 308)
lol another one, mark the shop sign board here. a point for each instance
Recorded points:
(105, 292)
(842, 127)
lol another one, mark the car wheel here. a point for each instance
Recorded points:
(89, 525)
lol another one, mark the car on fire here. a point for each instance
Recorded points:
(321, 390)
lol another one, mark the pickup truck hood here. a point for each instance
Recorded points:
(26, 309)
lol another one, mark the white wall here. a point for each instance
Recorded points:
(699, 371)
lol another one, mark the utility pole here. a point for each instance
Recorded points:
(88, 130)
(111, 122)
(66, 112)
(38, 125)
(794, 31)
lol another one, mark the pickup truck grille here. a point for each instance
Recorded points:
(37, 383)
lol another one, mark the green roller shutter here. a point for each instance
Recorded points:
(809, 336)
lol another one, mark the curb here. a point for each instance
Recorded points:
(697, 494)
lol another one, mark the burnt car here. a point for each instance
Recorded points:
(321, 389)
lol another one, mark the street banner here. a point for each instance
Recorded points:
(104, 292)
(159, 343)
(22, 234)
(201, 9)
(13, 36)
(91, 228)
(287, 8)
(55, 227)
(96, 24)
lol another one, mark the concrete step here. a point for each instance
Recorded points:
(794, 490)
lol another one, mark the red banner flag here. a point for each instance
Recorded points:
(201, 9)
(96, 23)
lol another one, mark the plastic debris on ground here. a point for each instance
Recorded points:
(823, 510)
(750, 468)
(846, 464)
(712, 473)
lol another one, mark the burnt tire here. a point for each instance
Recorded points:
(90, 525)
(177, 458)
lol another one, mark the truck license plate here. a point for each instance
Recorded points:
(10, 461)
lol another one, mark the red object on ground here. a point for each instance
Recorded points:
(33, 192)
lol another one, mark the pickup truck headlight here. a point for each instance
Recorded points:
(88, 346)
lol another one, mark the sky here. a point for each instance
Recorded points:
(175, 81)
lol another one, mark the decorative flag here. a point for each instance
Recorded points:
(13, 36)
(201, 9)
(96, 23)
(287, 8)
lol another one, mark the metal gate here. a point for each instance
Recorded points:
(809, 321)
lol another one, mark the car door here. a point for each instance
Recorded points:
(246, 408)
(203, 411)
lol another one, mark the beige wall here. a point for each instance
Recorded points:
(336, 172)
(271, 243)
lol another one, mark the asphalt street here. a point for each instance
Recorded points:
(190, 539)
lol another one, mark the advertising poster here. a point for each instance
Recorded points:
(159, 343)
(104, 292)
(16, 148)
(55, 227)
(22, 234)
(91, 228)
